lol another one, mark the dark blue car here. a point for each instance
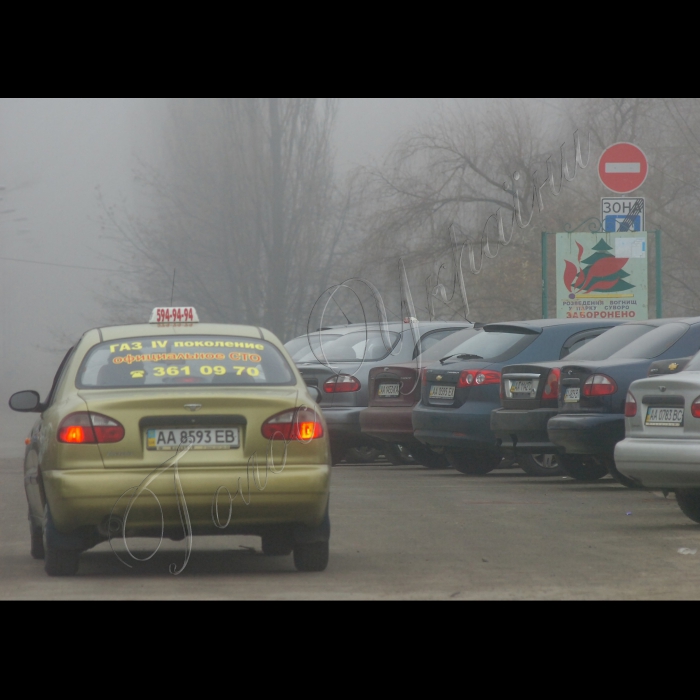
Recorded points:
(591, 418)
(459, 396)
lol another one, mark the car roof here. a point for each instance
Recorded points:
(146, 330)
(392, 326)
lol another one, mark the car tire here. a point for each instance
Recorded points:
(37, 535)
(312, 558)
(58, 562)
(621, 479)
(583, 468)
(425, 457)
(277, 546)
(474, 463)
(362, 455)
(541, 465)
(689, 502)
(399, 455)
(337, 454)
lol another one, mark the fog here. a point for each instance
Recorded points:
(54, 154)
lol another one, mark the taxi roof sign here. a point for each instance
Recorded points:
(174, 314)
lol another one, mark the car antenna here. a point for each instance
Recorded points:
(342, 312)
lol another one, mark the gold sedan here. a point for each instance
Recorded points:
(174, 431)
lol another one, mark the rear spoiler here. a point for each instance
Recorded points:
(660, 369)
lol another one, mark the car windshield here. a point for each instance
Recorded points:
(183, 360)
(446, 347)
(300, 347)
(653, 344)
(492, 346)
(364, 346)
(612, 341)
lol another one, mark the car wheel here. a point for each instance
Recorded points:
(310, 558)
(540, 465)
(609, 462)
(425, 457)
(689, 501)
(277, 546)
(362, 455)
(583, 468)
(399, 455)
(37, 536)
(337, 454)
(474, 463)
(57, 561)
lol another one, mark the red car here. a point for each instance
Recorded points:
(394, 392)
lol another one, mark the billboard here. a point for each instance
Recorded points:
(603, 275)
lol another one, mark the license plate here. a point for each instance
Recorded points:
(521, 388)
(172, 439)
(572, 395)
(442, 392)
(666, 417)
(389, 391)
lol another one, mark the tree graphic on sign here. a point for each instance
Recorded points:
(601, 272)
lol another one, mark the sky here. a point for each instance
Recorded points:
(54, 155)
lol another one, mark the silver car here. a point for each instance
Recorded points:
(662, 445)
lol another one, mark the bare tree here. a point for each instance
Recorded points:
(243, 210)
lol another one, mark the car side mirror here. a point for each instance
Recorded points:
(26, 402)
(314, 393)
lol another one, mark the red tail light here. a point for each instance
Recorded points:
(472, 377)
(551, 390)
(342, 384)
(599, 385)
(301, 424)
(630, 406)
(424, 374)
(90, 429)
(695, 408)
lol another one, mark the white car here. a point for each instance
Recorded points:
(662, 445)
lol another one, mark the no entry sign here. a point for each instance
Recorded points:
(623, 168)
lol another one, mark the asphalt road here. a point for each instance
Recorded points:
(411, 534)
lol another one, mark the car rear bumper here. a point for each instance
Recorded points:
(524, 431)
(84, 499)
(587, 434)
(389, 424)
(660, 464)
(456, 429)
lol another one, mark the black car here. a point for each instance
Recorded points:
(458, 398)
(591, 418)
(531, 393)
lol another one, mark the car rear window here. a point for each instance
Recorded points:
(610, 342)
(364, 346)
(653, 344)
(165, 361)
(446, 346)
(493, 346)
(300, 347)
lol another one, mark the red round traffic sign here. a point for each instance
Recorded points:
(623, 168)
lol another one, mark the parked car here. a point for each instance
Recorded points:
(662, 441)
(591, 418)
(459, 396)
(531, 394)
(394, 392)
(342, 381)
